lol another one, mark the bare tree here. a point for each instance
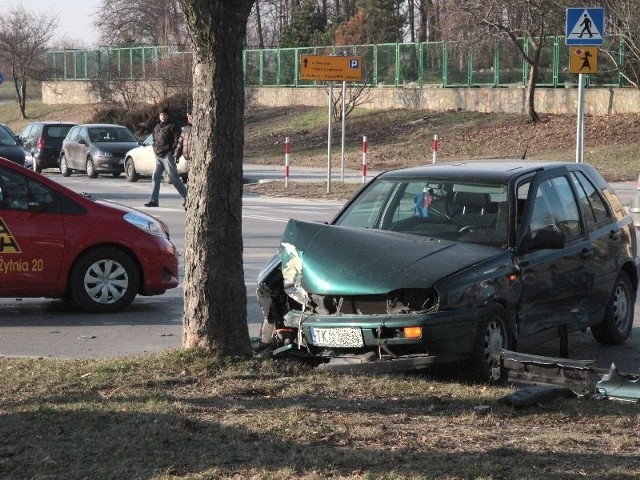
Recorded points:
(141, 22)
(356, 94)
(215, 309)
(259, 25)
(429, 14)
(270, 17)
(23, 40)
(624, 30)
(265, 25)
(522, 22)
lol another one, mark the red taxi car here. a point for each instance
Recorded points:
(56, 243)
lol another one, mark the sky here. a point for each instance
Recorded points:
(75, 19)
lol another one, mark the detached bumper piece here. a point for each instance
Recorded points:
(549, 371)
(550, 377)
(619, 386)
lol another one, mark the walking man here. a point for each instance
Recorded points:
(165, 140)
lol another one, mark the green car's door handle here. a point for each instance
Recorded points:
(586, 253)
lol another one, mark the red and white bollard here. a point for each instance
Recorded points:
(364, 159)
(286, 162)
(435, 148)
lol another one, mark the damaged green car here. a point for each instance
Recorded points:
(454, 263)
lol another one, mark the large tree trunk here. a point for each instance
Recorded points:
(215, 308)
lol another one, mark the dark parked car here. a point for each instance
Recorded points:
(454, 263)
(43, 141)
(8, 129)
(95, 149)
(10, 147)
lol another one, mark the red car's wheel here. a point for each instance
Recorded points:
(104, 279)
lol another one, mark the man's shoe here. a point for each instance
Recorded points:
(151, 204)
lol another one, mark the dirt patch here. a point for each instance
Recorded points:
(402, 138)
(277, 188)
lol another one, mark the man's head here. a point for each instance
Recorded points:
(164, 114)
(189, 118)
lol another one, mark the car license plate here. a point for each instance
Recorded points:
(346, 337)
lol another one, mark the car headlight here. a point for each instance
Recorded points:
(146, 223)
(102, 153)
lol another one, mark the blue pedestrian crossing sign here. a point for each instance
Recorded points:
(585, 26)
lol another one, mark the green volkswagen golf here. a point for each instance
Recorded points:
(453, 263)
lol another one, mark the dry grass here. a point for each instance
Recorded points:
(187, 415)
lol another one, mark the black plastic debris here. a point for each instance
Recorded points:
(535, 394)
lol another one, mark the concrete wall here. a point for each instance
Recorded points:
(83, 92)
(598, 101)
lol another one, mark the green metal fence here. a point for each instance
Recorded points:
(441, 64)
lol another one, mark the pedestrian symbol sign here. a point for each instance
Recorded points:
(585, 26)
(583, 60)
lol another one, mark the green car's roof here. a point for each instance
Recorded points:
(490, 171)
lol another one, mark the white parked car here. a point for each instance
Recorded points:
(141, 161)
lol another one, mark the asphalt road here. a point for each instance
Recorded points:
(48, 328)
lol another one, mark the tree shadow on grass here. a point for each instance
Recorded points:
(256, 435)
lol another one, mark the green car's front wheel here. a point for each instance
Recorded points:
(491, 337)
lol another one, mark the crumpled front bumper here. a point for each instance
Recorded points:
(449, 335)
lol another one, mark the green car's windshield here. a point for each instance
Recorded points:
(449, 210)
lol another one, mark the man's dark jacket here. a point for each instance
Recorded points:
(165, 138)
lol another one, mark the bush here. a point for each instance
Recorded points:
(143, 118)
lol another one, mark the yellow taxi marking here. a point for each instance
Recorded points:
(8, 244)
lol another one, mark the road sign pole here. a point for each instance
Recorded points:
(435, 148)
(580, 127)
(330, 68)
(344, 108)
(584, 27)
(286, 162)
(364, 161)
(330, 123)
